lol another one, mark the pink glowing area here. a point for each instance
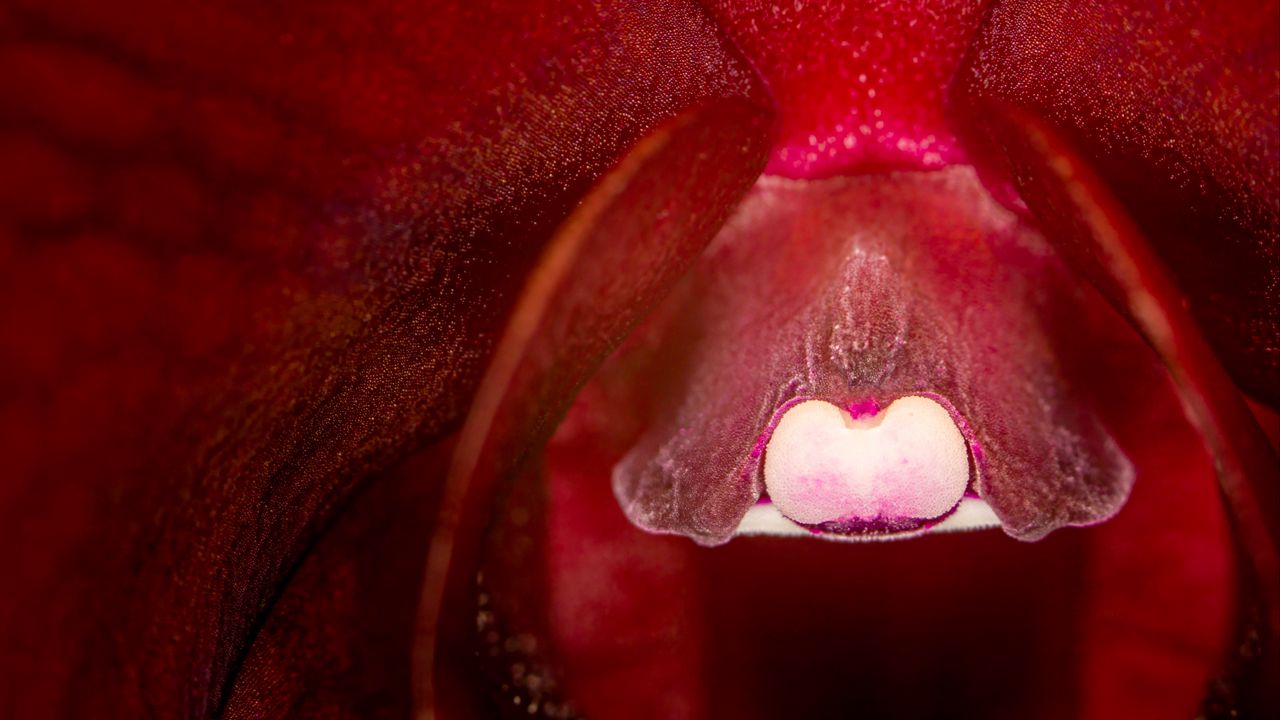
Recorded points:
(906, 463)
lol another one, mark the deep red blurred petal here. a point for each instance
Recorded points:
(1143, 654)
(626, 607)
(1176, 106)
(252, 255)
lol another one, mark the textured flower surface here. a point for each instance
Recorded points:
(394, 359)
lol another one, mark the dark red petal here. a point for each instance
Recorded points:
(255, 255)
(339, 638)
(859, 84)
(606, 267)
(1142, 655)
(1176, 106)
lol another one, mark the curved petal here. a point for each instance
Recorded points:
(263, 253)
(338, 640)
(1085, 221)
(605, 268)
(1177, 108)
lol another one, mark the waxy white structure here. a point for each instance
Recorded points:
(906, 462)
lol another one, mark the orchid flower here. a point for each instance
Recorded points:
(671, 358)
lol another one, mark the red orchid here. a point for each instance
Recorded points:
(347, 347)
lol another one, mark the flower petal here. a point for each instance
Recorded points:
(264, 253)
(1086, 221)
(1176, 107)
(610, 262)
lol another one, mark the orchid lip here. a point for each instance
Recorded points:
(926, 292)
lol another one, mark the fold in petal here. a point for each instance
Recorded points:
(338, 640)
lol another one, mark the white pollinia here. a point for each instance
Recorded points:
(908, 461)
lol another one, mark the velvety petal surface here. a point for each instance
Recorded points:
(251, 256)
(338, 641)
(1177, 107)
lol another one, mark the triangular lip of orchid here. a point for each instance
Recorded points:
(1026, 474)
